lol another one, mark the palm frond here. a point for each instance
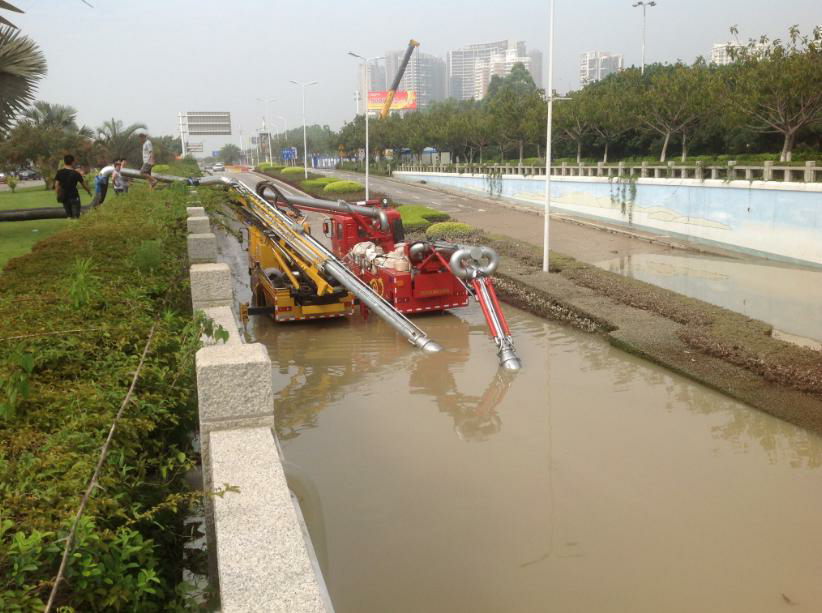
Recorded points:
(22, 64)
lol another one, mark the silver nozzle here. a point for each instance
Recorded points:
(428, 346)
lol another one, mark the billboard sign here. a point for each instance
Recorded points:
(404, 100)
(194, 147)
(207, 123)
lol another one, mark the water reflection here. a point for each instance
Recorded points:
(786, 297)
(318, 363)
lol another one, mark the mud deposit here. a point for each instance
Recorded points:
(590, 481)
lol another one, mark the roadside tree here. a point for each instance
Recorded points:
(777, 86)
(230, 153)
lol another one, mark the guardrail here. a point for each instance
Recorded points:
(768, 171)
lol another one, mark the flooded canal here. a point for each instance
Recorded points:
(784, 296)
(589, 481)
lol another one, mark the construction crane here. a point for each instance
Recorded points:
(389, 98)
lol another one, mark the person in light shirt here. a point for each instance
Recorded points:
(148, 158)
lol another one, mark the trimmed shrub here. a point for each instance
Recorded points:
(449, 229)
(343, 187)
(318, 182)
(416, 218)
(161, 169)
(292, 170)
(269, 166)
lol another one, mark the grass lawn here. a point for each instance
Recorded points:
(18, 237)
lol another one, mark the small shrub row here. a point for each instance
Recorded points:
(417, 218)
(450, 230)
(318, 182)
(343, 187)
(292, 170)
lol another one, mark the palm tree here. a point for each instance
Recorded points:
(117, 142)
(22, 64)
(8, 7)
(46, 115)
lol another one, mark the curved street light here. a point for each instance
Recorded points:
(365, 61)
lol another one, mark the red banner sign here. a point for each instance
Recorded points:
(404, 100)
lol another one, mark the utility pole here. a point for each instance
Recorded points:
(302, 86)
(644, 4)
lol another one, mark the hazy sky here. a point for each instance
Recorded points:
(146, 60)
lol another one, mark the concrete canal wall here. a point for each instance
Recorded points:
(258, 548)
(776, 220)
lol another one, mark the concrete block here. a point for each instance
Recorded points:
(195, 211)
(223, 316)
(198, 225)
(202, 248)
(234, 384)
(262, 557)
(211, 285)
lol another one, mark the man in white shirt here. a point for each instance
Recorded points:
(148, 157)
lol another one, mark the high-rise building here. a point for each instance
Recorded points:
(471, 68)
(370, 78)
(536, 66)
(425, 75)
(722, 53)
(596, 65)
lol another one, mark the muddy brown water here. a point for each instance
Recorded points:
(589, 481)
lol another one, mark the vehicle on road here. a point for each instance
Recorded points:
(28, 174)
(219, 167)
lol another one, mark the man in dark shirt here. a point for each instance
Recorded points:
(65, 184)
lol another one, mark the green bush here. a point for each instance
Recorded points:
(162, 169)
(292, 170)
(269, 166)
(58, 396)
(318, 182)
(449, 229)
(343, 187)
(416, 218)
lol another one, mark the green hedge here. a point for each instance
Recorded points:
(343, 187)
(292, 170)
(318, 182)
(162, 169)
(449, 229)
(269, 166)
(416, 218)
(104, 280)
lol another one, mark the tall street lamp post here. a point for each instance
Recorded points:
(366, 61)
(302, 85)
(644, 4)
(548, 133)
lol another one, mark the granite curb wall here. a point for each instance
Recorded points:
(257, 550)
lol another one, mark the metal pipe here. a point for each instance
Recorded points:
(339, 206)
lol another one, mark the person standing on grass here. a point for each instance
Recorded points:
(65, 186)
(148, 157)
(120, 182)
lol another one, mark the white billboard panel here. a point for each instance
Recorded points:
(207, 123)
